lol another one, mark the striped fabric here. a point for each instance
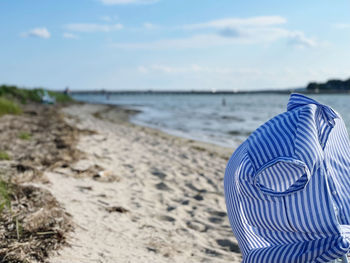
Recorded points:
(287, 187)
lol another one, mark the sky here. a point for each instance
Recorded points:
(173, 44)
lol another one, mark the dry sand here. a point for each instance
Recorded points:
(157, 198)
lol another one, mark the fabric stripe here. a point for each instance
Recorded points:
(287, 187)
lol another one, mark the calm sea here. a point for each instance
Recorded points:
(226, 120)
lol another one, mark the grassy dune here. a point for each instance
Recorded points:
(11, 98)
(24, 96)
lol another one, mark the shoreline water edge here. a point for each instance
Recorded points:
(224, 120)
(138, 194)
(124, 114)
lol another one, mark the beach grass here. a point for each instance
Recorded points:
(9, 107)
(4, 156)
(60, 97)
(26, 136)
(5, 192)
(24, 96)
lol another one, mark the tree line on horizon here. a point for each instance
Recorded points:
(329, 86)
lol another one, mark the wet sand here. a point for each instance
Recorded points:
(140, 195)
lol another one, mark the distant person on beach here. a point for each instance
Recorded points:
(66, 91)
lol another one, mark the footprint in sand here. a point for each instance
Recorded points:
(215, 220)
(192, 187)
(171, 208)
(158, 174)
(167, 218)
(162, 186)
(198, 197)
(185, 202)
(197, 226)
(84, 188)
(217, 213)
(228, 245)
(212, 253)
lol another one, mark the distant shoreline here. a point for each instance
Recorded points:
(203, 92)
(333, 86)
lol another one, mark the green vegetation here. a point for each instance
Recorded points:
(330, 86)
(4, 156)
(8, 107)
(24, 136)
(5, 192)
(31, 95)
(60, 97)
(21, 95)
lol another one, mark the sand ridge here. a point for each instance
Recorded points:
(164, 202)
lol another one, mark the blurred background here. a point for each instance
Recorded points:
(203, 69)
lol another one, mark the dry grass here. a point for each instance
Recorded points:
(32, 226)
(32, 222)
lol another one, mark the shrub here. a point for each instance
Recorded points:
(31, 95)
(23, 95)
(60, 97)
(8, 107)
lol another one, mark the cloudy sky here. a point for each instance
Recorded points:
(173, 44)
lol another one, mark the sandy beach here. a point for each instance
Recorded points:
(140, 195)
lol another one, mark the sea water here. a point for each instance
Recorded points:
(225, 120)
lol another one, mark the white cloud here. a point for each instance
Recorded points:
(252, 36)
(299, 39)
(224, 32)
(70, 35)
(197, 41)
(40, 32)
(124, 2)
(259, 21)
(85, 27)
(196, 69)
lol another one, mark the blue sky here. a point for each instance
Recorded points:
(173, 44)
